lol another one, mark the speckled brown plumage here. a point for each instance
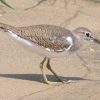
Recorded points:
(45, 38)
(48, 36)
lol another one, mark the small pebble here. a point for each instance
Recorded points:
(92, 50)
(0, 14)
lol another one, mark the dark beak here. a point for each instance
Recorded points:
(95, 40)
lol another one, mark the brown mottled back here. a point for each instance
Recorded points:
(48, 36)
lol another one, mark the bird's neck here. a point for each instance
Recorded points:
(77, 44)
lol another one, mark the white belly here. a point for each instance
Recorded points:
(38, 49)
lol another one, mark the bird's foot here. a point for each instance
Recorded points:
(67, 82)
(51, 83)
(56, 83)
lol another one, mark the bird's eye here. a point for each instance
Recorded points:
(87, 34)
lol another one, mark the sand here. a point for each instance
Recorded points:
(20, 75)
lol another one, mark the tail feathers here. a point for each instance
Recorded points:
(5, 27)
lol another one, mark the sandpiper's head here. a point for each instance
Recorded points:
(84, 34)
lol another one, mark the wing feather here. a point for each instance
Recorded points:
(48, 36)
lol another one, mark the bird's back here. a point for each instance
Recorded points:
(51, 37)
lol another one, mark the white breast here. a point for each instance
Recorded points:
(69, 39)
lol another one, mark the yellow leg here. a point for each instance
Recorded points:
(43, 73)
(49, 67)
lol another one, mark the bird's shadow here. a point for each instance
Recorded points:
(38, 77)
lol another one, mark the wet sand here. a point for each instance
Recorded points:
(20, 75)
